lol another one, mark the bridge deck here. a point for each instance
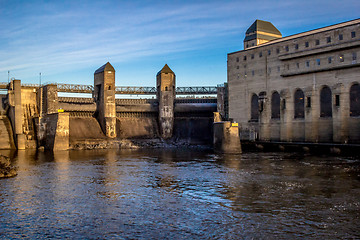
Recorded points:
(78, 88)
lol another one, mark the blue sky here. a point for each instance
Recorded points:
(68, 40)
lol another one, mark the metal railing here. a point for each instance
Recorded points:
(135, 90)
(196, 90)
(79, 88)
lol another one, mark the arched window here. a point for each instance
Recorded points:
(275, 105)
(325, 102)
(355, 100)
(254, 108)
(299, 104)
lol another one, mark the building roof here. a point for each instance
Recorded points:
(304, 34)
(259, 29)
(106, 67)
(165, 69)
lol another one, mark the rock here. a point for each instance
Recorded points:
(6, 170)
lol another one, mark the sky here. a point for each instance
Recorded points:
(66, 41)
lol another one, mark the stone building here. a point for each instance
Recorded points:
(300, 88)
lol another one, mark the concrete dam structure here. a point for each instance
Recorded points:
(34, 116)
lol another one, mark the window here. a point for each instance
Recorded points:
(275, 105)
(299, 104)
(269, 52)
(253, 72)
(253, 44)
(237, 59)
(353, 34)
(247, 45)
(341, 37)
(325, 102)
(329, 59)
(296, 46)
(307, 63)
(354, 56)
(337, 100)
(317, 42)
(278, 69)
(278, 50)
(298, 65)
(254, 108)
(318, 62)
(287, 48)
(306, 44)
(341, 58)
(260, 54)
(244, 58)
(355, 100)
(308, 102)
(328, 39)
(252, 56)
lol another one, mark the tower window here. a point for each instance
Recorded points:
(237, 59)
(329, 59)
(287, 48)
(317, 42)
(307, 63)
(296, 46)
(269, 52)
(341, 37)
(260, 54)
(278, 50)
(252, 56)
(308, 102)
(328, 39)
(306, 44)
(353, 34)
(318, 62)
(244, 58)
(337, 100)
(354, 56)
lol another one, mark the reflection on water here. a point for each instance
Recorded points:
(179, 194)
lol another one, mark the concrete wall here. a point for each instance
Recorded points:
(6, 134)
(142, 127)
(193, 130)
(84, 128)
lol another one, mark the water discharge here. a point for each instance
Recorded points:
(179, 194)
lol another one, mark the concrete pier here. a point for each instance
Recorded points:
(226, 137)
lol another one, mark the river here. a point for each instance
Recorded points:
(180, 194)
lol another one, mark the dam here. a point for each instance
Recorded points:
(35, 116)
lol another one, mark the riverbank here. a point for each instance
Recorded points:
(133, 144)
(6, 170)
(302, 147)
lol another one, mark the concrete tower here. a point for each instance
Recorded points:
(104, 95)
(165, 83)
(260, 32)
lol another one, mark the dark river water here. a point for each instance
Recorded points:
(180, 194)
